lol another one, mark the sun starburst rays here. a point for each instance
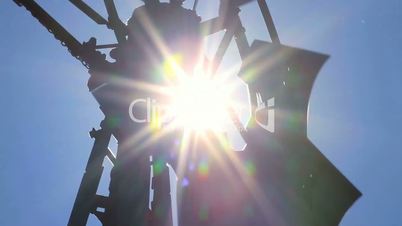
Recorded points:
(192, 107)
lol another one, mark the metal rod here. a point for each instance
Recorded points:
(107, 46)
(269, 21)
(111, 156)
(114, 21)
(195, 5)
(238, 124)
(212, 26)
(241, 39)
(223, 46)
(91, 13)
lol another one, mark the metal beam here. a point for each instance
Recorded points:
(86, 197)
(269, 21)
(114, 21)
(91, 13)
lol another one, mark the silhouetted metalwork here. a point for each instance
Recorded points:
(280, 179)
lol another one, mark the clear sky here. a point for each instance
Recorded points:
(355, 107)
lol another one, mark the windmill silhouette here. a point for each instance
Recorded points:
(280, 178)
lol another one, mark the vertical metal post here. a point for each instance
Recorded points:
(161, 204)
(85, 201)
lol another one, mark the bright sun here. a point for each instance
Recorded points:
(199, 103)
(196, 101)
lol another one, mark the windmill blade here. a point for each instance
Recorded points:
(91, 13)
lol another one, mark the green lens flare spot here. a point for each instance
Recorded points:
(250, 168)
(158, 167)
(203, 169)
(113, 121)
(203, 213)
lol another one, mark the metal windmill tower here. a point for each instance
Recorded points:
(281, 178)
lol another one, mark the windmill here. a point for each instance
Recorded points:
(280, 178)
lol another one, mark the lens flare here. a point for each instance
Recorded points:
(199, 103)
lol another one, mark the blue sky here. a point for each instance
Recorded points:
(355, 107)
